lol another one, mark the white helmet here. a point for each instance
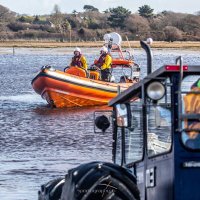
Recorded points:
(149, 41)
(104, 49)
(77, 49)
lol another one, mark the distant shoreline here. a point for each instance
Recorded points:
(125, 44)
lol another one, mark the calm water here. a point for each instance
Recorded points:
(38, 143)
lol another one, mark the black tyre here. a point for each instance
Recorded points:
(100, 181)
(51, 190)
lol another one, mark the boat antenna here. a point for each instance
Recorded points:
(110, 43)
(130, 49)
(148, 51)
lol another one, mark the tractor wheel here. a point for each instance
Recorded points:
(100, 181)
(51, 190)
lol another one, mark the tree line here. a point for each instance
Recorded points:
(91, 25)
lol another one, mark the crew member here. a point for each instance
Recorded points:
(104, 63)
(192, 106)
(78, 59)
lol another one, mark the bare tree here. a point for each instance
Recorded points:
(172, 33)
(6, 15)
(191, 24)
(137, 24)
(57, 18)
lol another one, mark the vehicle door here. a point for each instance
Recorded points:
(159, 163)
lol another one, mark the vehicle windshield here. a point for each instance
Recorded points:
(159, 124)
(191, 112)
(133, 137)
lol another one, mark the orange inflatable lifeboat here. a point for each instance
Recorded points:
(75, 87)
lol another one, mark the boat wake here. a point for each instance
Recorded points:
(24, 98)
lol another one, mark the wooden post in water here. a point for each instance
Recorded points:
(13, 50)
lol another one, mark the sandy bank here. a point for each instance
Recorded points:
(134, 44)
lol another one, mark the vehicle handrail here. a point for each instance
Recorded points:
(190, 116)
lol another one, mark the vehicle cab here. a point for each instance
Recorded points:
(156, 132)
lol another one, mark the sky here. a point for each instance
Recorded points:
(40, 7)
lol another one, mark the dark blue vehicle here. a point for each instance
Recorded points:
(156, 143)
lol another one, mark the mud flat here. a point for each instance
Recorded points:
(134, 44)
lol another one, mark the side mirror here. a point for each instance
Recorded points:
(123, 115)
